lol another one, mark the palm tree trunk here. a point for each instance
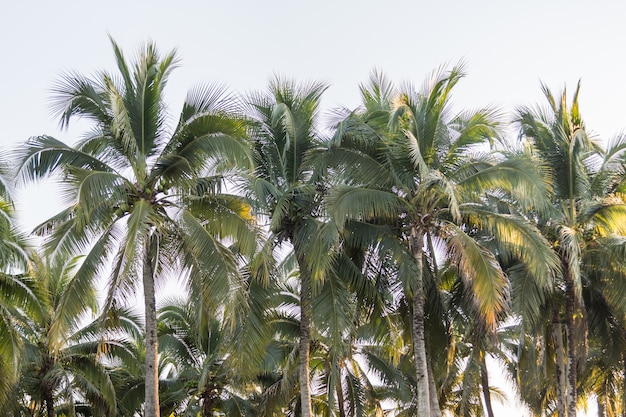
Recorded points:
(435, 411)
(208, 401)
(624, 384)
(49, 404)
(484, 381)
(151, 405)
(561, 384)
(305, 341)
(571, 341)
(416, 243)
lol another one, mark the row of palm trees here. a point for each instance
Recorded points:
(366, 267)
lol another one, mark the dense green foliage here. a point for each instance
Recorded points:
(376, 265)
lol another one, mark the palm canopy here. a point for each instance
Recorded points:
(428, 179)
(440, 179)
(284, 135)
(586, 193)
(140, 192)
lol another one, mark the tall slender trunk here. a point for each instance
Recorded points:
(416, 243)
(433, 393)
(570, 302)
(305, 341)
(49, 404)
(304, 346)
(484, 381)
(151, 405)
(624, 383)
(208, 401)
(561, 377)
(435, 409)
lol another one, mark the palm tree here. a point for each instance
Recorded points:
(343, 341)
(60, 368)
(201, 354)
(344, 386)
(418, 176)
(125, 362)
(604, 373)
(587, 212)
(468, 375)
(141, 193)
(18, 296)
(287, 191)
(353, 312)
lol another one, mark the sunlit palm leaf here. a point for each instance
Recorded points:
(481, 272)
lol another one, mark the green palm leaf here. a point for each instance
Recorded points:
(523, 241)
(350, 203)
(480, 271)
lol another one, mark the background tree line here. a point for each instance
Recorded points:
(366, 266)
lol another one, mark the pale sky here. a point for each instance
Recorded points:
(508, 47)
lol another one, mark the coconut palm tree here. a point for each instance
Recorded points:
(603, 376)
(200, 350)
(419, 176)
(468, 375)
(18, 292)
(344, 386)
(62, 373)
(588, 212)
(125, 362)
(288, 191)
(144, 194)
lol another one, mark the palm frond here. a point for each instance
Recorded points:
(482, 126)
(75, 95)
(92, 379)
(570, 248)
(44, 155)
(208, 138)
(608, 217)
(130, 253)
(350, 203)
(523, 241)
(228, 217)
(486, 283)
(526, 180)
(378, 92)
(79, 294)
(207, 257)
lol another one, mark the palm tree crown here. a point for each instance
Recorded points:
(286, 189)
(587, 216)
(420, 171)
(142, 193)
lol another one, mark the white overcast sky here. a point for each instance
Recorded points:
(509, 46)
